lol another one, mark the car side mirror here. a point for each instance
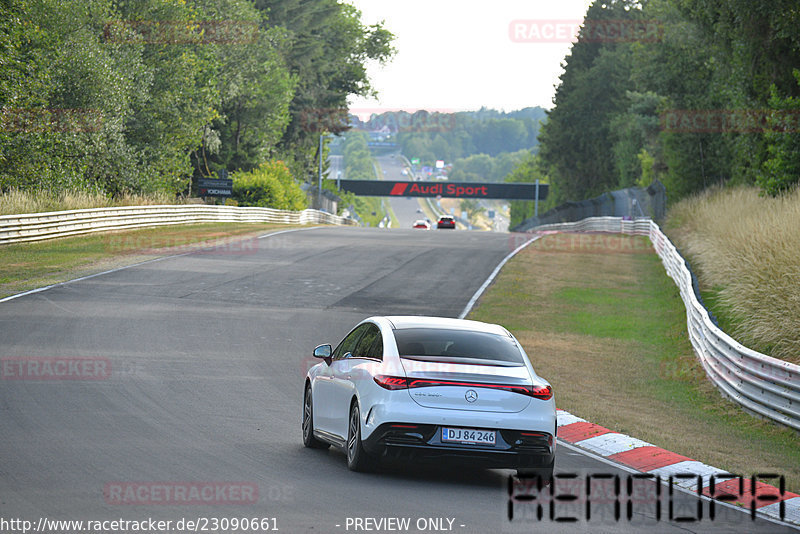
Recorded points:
(323, 352)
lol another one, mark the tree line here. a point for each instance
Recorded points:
(713, 96)
(137, 96)
(485, 168)
(431, 136)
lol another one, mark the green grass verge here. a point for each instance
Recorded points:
(26, 266)
(392, 216)
(369, 209)
(608, 330)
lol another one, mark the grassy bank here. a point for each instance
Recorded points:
(601, 320)
(745, 250)
(27, 266)
(14, 201)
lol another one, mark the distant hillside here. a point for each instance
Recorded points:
(432, 136)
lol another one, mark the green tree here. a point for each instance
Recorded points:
(782, 166)
(576, 141)
(636, 131)
(73, 98)
(681, 68)
(417, 147)
(527, 171)
(475, 168)
(357, 157)
(255, 89)
(178, 89)
(327, 50)
(471, 207)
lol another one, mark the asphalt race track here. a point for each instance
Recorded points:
(405, 208)
(207, 353)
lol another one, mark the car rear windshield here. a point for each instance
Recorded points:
(442, 344)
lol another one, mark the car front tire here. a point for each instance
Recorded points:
(308, 423)
(357, 458)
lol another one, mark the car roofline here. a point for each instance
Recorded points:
(400, 322)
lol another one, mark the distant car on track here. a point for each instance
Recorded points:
(446, 221)
(429, 387)
(422, 223)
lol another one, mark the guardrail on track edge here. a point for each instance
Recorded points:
(41, 226)
(761, 384)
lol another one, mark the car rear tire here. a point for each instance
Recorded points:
(357, 457)
(308, 423)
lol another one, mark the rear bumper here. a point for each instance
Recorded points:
(513, 449)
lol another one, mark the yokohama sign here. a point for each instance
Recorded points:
(385, 188)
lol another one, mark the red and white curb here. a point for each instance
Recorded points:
(648, 458)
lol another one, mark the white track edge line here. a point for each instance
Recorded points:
(51, 286)
(492, 276)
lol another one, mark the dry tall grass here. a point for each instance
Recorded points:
(749, 247)
(15, 201)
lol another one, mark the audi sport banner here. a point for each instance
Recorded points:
(386, 188)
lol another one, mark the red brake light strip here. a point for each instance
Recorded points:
(397, 382)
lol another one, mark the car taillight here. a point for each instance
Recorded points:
(397, 382)
(391, 382)
(541, 392)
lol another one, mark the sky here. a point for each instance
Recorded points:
(455, 55)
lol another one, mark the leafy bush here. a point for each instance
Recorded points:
(269, 186)
(782, 167)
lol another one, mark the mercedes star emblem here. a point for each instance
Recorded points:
(471, 395)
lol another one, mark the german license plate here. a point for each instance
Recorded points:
(469, 436)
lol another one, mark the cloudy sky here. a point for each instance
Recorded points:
(464, 54)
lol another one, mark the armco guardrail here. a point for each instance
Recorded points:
(766, 386)
(40, 226)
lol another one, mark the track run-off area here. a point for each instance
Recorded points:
(192, 408)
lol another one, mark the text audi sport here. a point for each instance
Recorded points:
(431, 387)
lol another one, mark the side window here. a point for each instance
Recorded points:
(370, 345)
(348, 344)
